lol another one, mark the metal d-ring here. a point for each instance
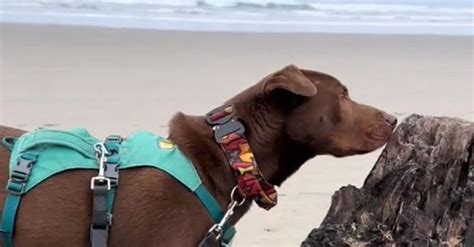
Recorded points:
(232, 197)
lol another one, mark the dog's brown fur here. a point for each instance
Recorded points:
(290, 116)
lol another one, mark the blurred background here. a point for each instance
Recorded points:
(118, 66)
(360, 16)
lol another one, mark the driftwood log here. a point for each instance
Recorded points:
(419, 193)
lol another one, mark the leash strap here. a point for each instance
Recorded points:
(100, 219)
(16, 188)
(103, 187)
(229, 133)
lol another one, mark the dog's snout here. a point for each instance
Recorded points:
(391, 120)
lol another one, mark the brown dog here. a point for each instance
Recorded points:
(290, 116)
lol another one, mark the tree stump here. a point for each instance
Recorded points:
(419, 193)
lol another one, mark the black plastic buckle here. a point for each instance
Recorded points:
(22, 170)
(112, 143)
(20, 173)
(15, 187)
(18, 176)
(223, 130)
(221, 109)
(114, 138)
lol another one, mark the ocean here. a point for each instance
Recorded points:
(442, 17)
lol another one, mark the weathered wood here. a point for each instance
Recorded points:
(419, 193)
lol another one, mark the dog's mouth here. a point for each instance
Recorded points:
(350, 151)
(379, 133)
(362, 142)
(376, 136)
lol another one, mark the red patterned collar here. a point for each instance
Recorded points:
(229, 133)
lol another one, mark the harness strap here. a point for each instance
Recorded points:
(15, 187)
(10, 209)
(209, 202)
(9, 142)
(112, 144)
(104, 193)
(216, 213)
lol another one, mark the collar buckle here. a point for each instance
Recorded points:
(223, 122)
(220, 115)
(223, 131)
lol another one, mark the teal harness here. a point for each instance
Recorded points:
(38, 155)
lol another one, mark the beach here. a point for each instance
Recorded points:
(117, 81)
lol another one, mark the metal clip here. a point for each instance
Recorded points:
(101, 152)
(218, 228)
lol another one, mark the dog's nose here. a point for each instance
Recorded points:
(391, 120)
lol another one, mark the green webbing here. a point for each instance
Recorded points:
(110, 200)
(229, 233)
(15, 190)
(112, 144)
(214, 209)
(10, 209)
(209, 202)
(9, 142)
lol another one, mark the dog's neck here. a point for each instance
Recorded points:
(277, 156)
(195, 139)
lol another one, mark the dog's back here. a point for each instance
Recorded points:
(150, 207)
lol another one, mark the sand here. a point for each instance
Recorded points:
(116, 81)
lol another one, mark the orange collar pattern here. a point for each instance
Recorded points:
(229, 133)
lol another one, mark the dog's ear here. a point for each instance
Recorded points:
(291, 79)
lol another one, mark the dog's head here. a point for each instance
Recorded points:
(314, 111)
(327, 119)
